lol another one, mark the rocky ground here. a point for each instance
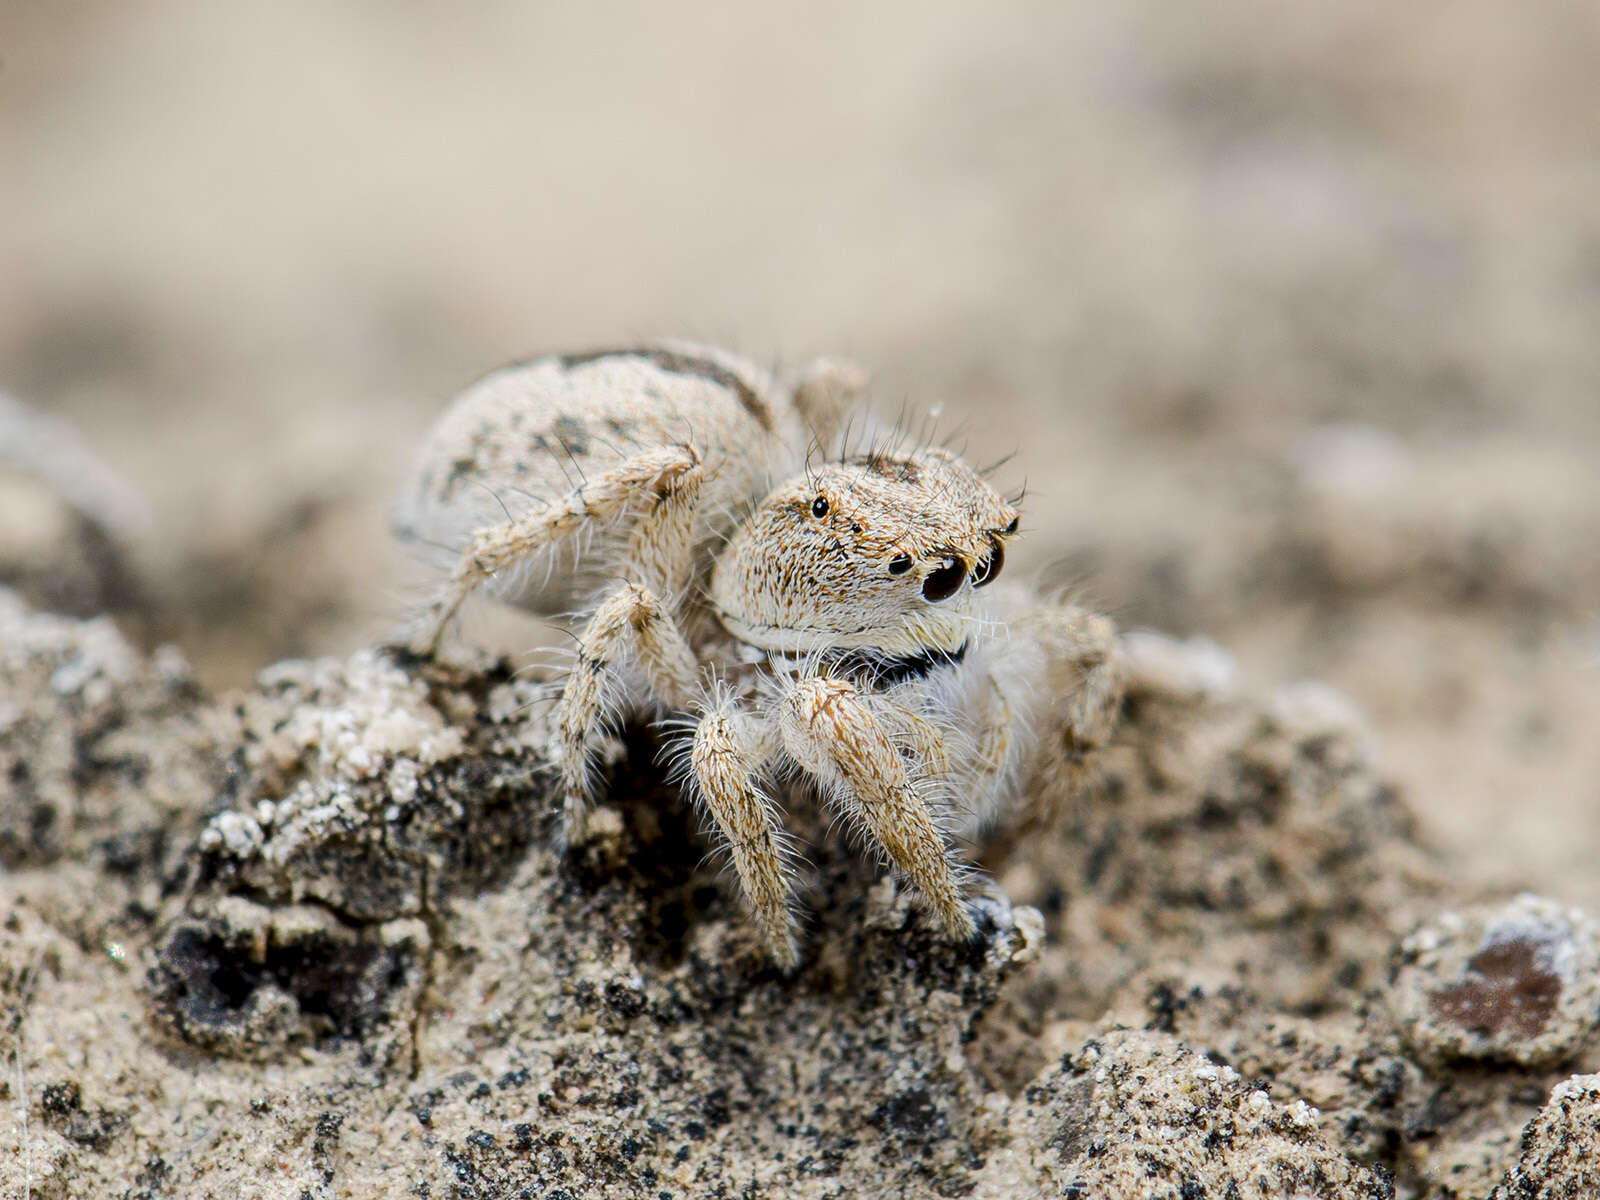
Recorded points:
(1289, 316)
(308, 938)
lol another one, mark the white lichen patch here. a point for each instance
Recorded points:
(1310, 710)
(358, 717)
(237, 833)
(88, 659)
(341, 794)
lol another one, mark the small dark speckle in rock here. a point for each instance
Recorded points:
(60, 1099)
(64, 1112)
(424, 1116)
(714, 1106)
(482, 1139)
(912, 1113)
(1164, 1005)
(625, 1001)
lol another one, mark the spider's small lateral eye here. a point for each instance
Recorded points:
(944, 582)
(900, 564)
(819, 507)
(1015, 522)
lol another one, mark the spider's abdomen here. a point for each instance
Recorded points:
(528, 436)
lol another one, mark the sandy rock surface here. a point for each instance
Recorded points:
(1558, 1147)
(340, 960)
(1288, 315)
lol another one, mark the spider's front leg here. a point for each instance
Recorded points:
(830, 729)
(665, 480)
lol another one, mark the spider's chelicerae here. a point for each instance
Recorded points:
(840, 626)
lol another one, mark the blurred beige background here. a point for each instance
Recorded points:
(1291, 310)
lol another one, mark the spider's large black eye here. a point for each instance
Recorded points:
(1015, 522)
(989, 568)
(819, 507)
(900, 564)
(945, 582)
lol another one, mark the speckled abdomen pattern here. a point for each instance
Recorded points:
(529, 435)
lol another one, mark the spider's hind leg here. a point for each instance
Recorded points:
(665, 481)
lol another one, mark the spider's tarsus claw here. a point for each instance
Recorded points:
(784, 953)
(958, 923)
(777, 932)
(572, 833)
(985, 916)
(424, 645)
(402, 655)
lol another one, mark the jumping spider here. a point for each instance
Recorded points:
(840, 627)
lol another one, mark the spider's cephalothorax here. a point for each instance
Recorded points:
(876, 552)
(843, 627)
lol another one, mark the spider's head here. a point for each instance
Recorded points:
(876, 552)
